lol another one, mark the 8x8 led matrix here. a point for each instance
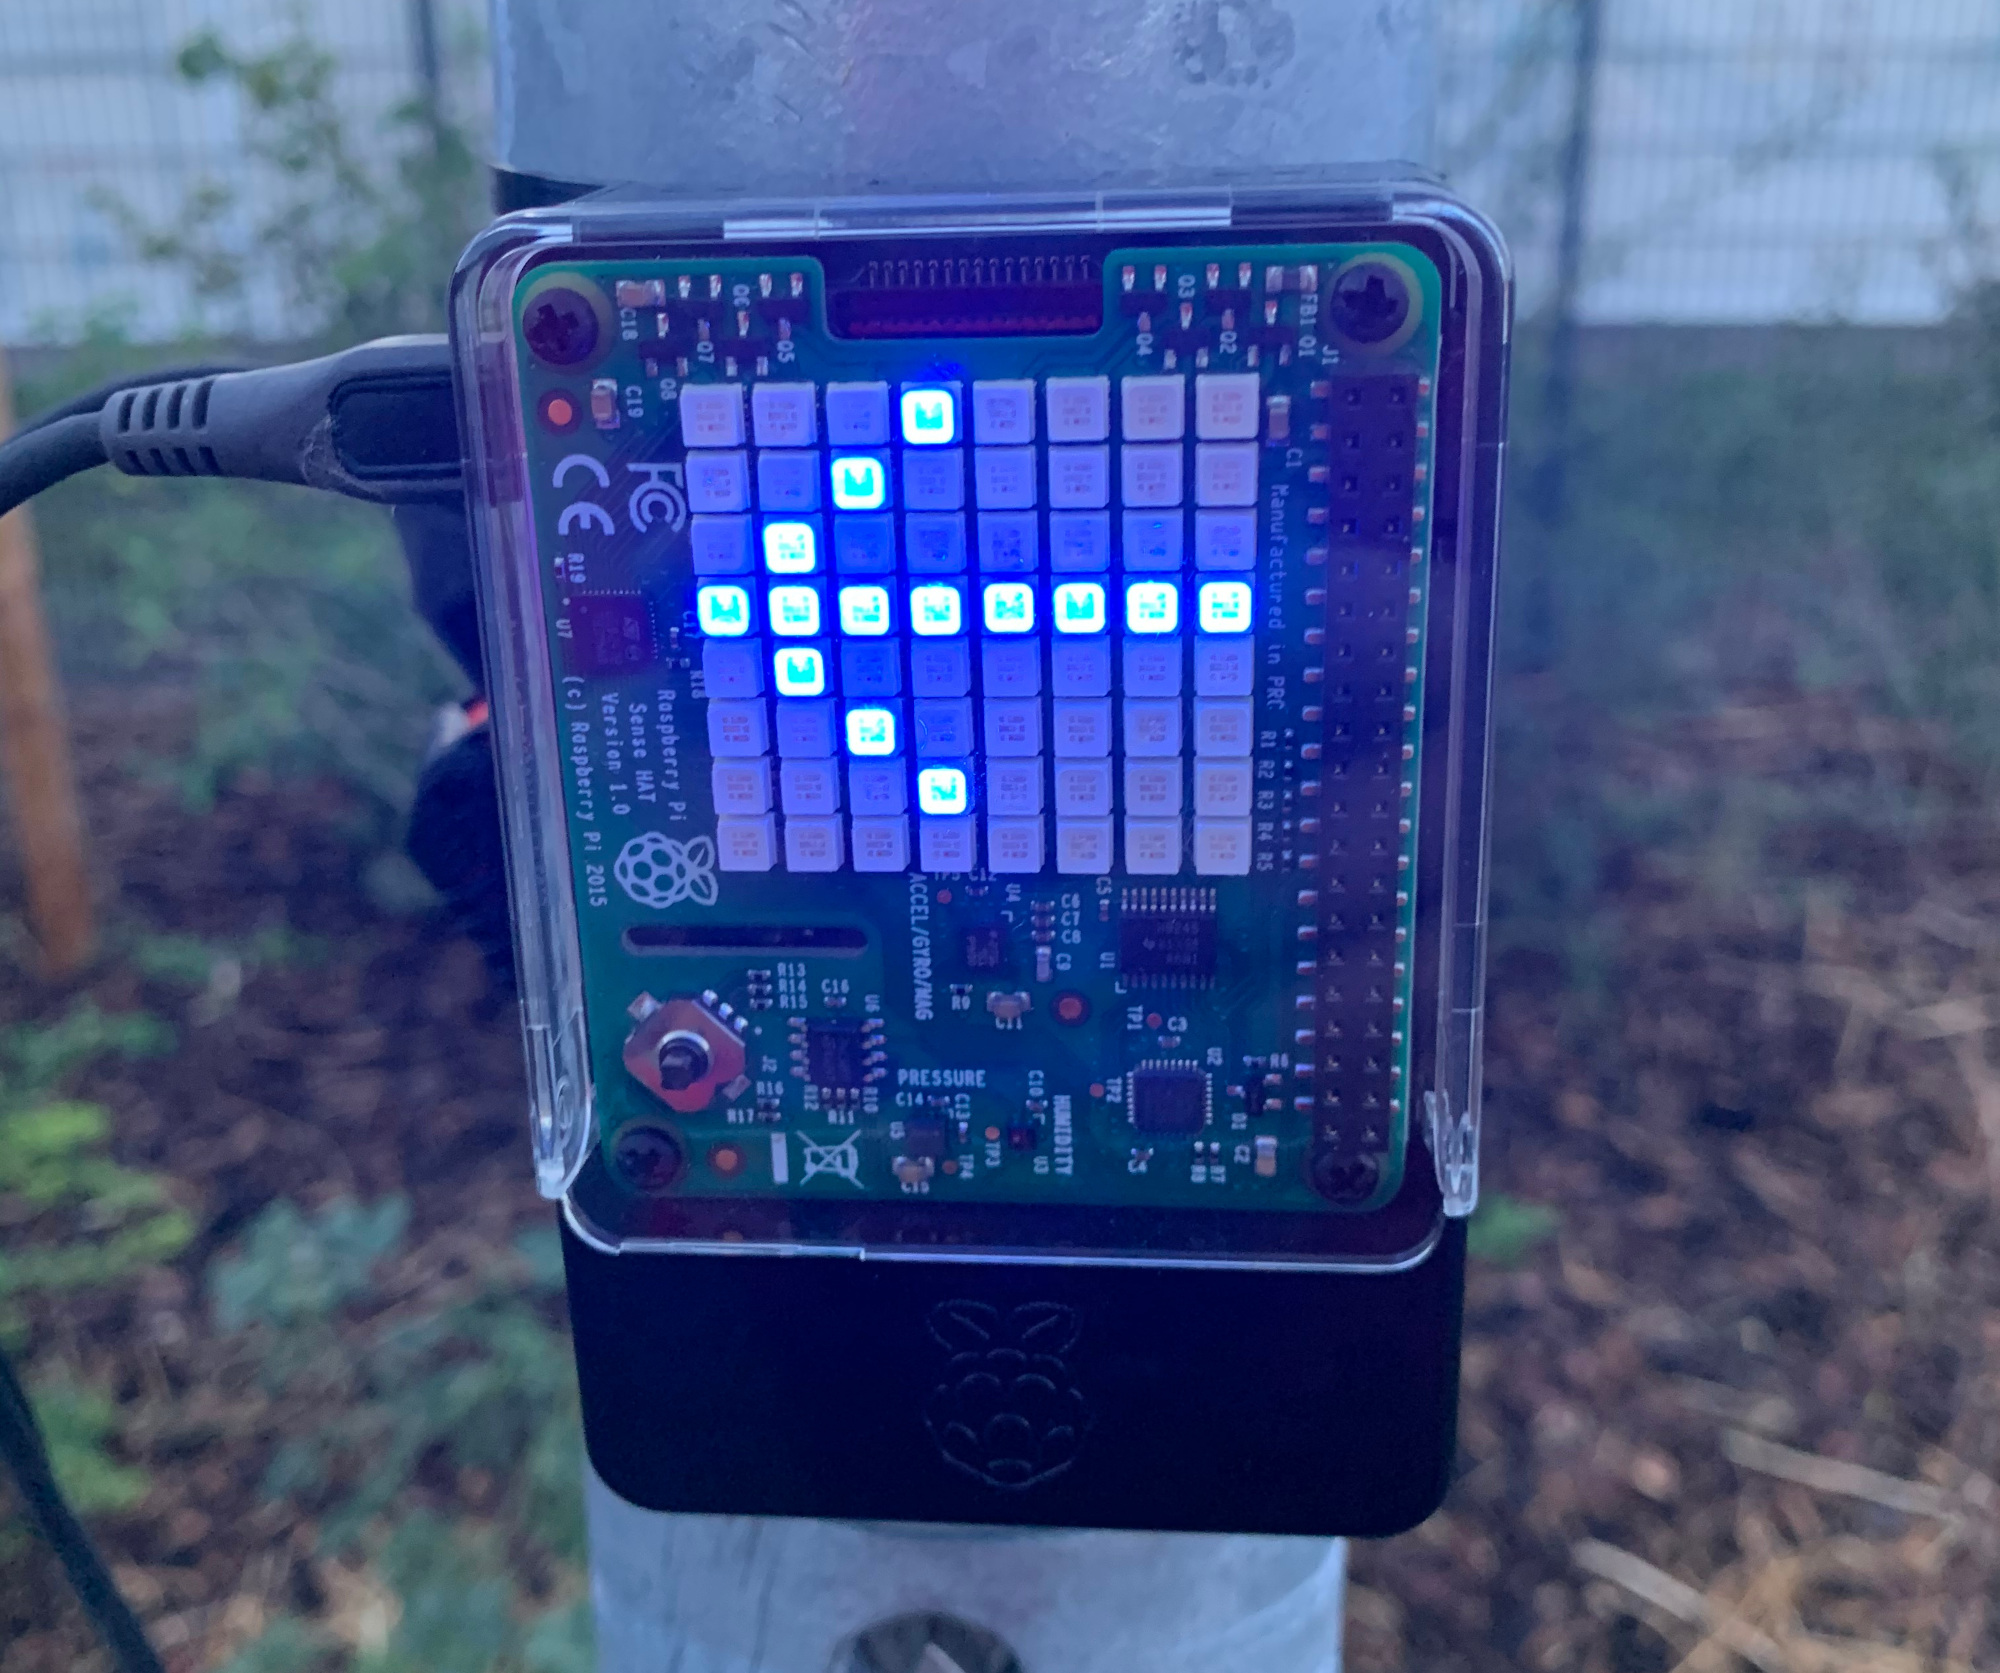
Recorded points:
(1007, 699)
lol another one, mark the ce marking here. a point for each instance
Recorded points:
(583, 511)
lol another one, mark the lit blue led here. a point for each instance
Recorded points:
(799, 671)
(864, 611)
(790, 548)
(794, 612)
(943, 791)
(860, 482)
(1152, 607)
(1224, 607)
(936, 612)
(930, 417)
(724, 612)
(1010, 607)
(871, 732)
(1079, 607)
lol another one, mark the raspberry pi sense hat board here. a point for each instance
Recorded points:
(1003, 700)
(991, 706)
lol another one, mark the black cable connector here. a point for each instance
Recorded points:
(375, 422)
(92, 400)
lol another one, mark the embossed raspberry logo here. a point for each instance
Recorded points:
(657, 871)
(1008, 1410)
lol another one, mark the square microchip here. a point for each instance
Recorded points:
(985, 947)
(1166, 937)
(835, 1055)
(612, 633)
(924, 1135)
(1170, 1098)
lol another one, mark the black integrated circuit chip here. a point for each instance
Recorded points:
(1166, 937)
(924, 1135)
(835, 1054)
(1169, 1098)
(610, 633)
(984, 948)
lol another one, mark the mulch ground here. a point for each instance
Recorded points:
(1741, 1410)
(1744, 1408)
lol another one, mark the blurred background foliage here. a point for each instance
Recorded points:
(284, 621)
(468, 1378)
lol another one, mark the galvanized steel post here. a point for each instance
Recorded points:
(798, 97)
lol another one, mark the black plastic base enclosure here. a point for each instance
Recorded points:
(1059, 1396)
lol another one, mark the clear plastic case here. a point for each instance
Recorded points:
(519, 561)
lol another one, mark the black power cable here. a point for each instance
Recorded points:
(46, 455)
(27, 1457)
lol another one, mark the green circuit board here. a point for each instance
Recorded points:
(989, 695)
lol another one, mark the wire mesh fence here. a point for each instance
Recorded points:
(1741, 161)
(115, 135)
(1747, 161)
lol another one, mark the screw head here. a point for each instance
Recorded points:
(1344, 1178)
(684, 1059)
(1371, 302)
(648, 1159)
(927, 1643)
(560, 326)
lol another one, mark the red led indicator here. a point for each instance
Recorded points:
(559, 410)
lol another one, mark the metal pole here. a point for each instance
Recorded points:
(741, 1594)
(771, 98)
(430, 64)
(1559, 386)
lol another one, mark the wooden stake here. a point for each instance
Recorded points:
(34, 748)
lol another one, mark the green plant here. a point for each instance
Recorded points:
(297, 1271)
(561, 1640)
(287, 1645)
(1505, 1228)
(77, 1421)
(33, 1058)
(473, 1376)
(365, 249)
(286, 621)
(188, 961)
(456, 1601)
(85, 1221)
(116, 1219)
